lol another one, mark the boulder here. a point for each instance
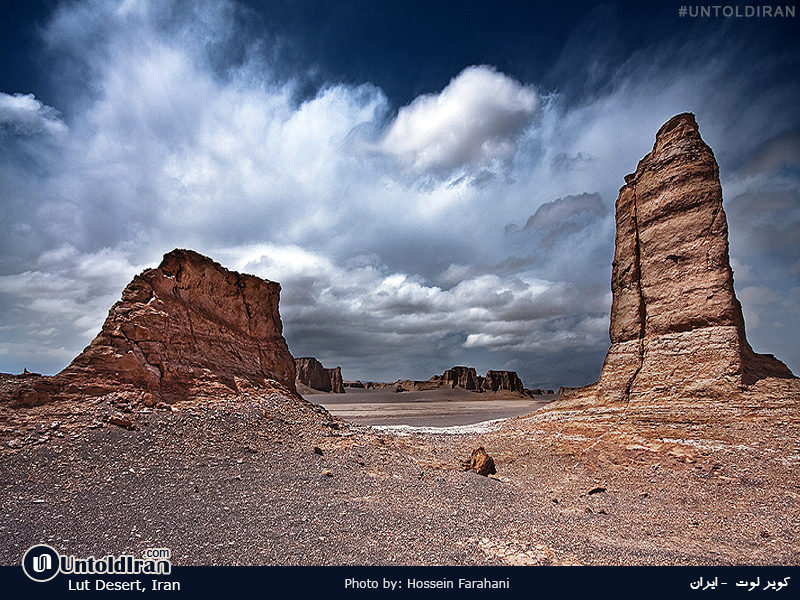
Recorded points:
(480, 462)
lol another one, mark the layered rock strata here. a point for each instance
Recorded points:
(311, 373)
(188, 326)
(676, 324)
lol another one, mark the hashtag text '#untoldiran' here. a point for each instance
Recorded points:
(738, 11)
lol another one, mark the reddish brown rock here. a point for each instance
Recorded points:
(121, 420)
(676, 325)
(310, 372)
(480, 462)
(337, 383)
(187, 327)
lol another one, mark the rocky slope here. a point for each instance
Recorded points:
(257, 480)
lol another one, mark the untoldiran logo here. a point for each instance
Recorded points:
(41, 563)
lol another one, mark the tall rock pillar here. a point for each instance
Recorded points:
(676, 325)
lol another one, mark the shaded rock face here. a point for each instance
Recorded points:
(188, 326)
(462, 377)
(468, 379)
(310, 372)
(496, 381)
(676, 325)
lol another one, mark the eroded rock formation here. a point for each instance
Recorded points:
(676, 325)
(496, 381)
(310, 372)
(462, 377)
(188, 326)
(468, 379)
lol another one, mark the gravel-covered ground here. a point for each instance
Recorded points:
(273, 480)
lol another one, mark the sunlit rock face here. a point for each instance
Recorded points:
(187, 328)
(187, 323)
(676, 324)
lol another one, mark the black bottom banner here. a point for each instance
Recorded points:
(361, 582)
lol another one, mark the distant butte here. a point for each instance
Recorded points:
(676, 325)
(312, 374)
(467, 378)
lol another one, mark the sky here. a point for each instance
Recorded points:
(432, 183)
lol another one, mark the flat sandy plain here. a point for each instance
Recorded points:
(428, 409)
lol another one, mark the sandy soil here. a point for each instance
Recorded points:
(270, 480)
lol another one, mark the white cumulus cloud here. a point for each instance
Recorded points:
(475, 121)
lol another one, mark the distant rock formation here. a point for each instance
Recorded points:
(186, 327)
(411, 385)
(676, 325)
(465, 378)
(566, 390)
(496, 381)
(310, 372)
(369, 385)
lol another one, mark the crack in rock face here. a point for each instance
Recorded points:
(676, 324)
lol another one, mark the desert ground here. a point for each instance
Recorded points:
(265, 479)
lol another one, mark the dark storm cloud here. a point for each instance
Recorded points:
(780, 152)
(564, 217)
